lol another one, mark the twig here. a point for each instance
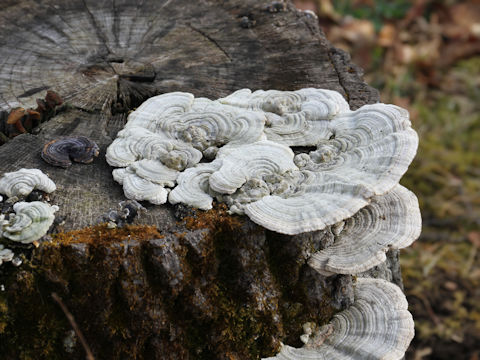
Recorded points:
(74, 325)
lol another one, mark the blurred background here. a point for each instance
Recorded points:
(424, 55)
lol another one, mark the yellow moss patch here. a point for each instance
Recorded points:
(101, 234)
(216, 218)
(3, 315)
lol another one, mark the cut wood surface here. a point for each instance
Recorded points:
(104, 58)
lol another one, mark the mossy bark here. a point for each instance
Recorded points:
(219, 293)
(207, 285)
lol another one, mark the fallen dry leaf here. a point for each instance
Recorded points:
(355, 31)
(450, 285)
(474, 238)
(464, 18)
(421, 353)
(387, 35)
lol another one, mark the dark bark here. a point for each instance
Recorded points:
(231, 291)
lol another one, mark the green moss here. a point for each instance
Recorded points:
(251, 331)
(296, 309)
(242, 325)
(34, 324)
(233, 323)
(100, 289)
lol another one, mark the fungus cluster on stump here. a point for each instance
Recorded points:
(248, 150)
(29, 221)
(20, 121)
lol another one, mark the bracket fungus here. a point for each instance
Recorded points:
(359, 154)
(377, 326)
(390, 221)
(136, 143)
(30, 221)
(193, 186)
(22, 182)
(138, 188)
(61, 152)
(5, 254)
(252, 161)
(294, 118)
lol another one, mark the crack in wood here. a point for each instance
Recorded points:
(340, 80)
(98, 31)
(212, 40)
(33, 91)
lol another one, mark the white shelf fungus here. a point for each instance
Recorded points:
(377, 326)
(359, 154)
(214, 125)
(372, 146)
(134, 143)
(294, 118)
(160, 107)
(24, 181)
(5, 254)
(30, 221)
(252, 161)
(193, 186)
(390, 221)
(316, 207)
(138, 188)
(237, 150)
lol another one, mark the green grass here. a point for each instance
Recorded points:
(377, 14)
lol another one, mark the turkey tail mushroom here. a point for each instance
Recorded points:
(24, 181)
(5, 254)
(360, 154)
(61, 152)
(377, 326)
(30, 222)
(390, 221)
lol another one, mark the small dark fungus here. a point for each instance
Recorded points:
(53, 99)
(46, 107)
(19, 120)
(61, 152)
(16, 115)
(246, 22)
(32, 120)
(41, 106)
(128, 211)
(15, 120)
(36, 195)
(34, 115)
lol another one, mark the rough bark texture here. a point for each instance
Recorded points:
(210, 286)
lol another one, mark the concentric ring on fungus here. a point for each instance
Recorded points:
(30, 221)
(377, 326)
(22, 182)
(61, 152)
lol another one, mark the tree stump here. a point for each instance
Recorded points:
(202, 285)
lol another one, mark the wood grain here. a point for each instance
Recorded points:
(105, 57)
